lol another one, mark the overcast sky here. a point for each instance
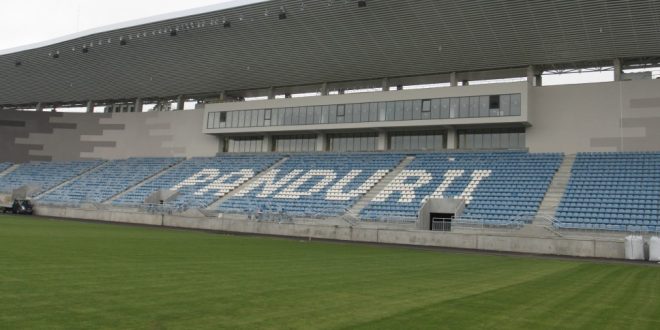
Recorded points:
(26, 22)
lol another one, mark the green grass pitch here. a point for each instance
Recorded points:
(68, 275)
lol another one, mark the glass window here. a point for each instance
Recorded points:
(326, 113)
(454, 107)
(423, 140)
(255, 118)
(477, 140)
(260, 117)
(382, 110)
(504, 141)
(352, 142)
(391, 108)
(234, 119)
(483, 106)
(245, 144)
(406, 141)
(274, 119)
(287, 116)
(295, 143)
(309, 116)
(435, 108)
(341, 113)
(474, 106)
(333, 114)
(247, 116)
(417, 109)
(358, 110)
(504, 138)
(267, 113)
(361, 113)
(464, 111)
(318, 114)
(495, 141)
(217, 123)
(505, 105)
(444, 108)
(515, 105)
(373, 112)
(210, 121)
(348, 113)
(513, 140)
(398, 113)
(407, 110)
(469, 141)
(426, 109)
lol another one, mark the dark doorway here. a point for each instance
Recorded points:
(440, 221)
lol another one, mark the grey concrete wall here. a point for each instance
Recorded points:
(504, 242)
(28, 136)
(614, 116)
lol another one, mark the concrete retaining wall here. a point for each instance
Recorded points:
(503, 242)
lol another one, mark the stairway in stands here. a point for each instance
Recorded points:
(103, 163)
(214, 205)
(153, 177)
(9, 169)
(360, 204)
(557, 187)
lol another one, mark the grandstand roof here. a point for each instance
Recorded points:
(326, 41)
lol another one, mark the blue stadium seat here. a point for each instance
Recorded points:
(4, 166)
(612, 191)
(191, 177)
(108, 180)
(44, 175)
(314, 185)
(497, 186)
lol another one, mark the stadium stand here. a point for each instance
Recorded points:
(313, 185)
(44, 175)
(108, 180)
(497, 186)
(191, 177)
(4, 167)
(612, 191)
